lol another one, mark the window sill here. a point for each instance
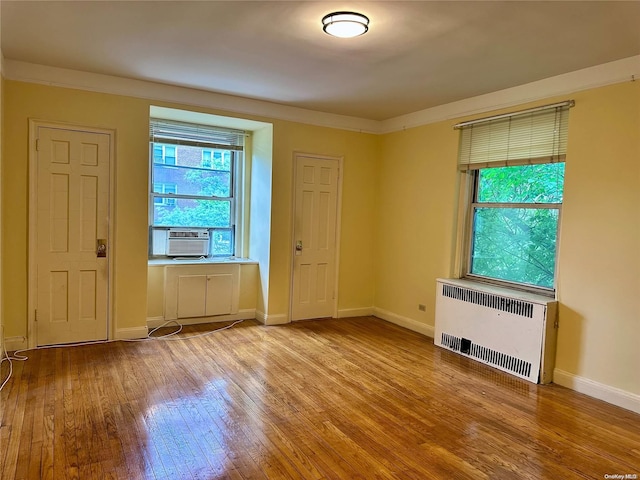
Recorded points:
(502, 289)
(165, 261)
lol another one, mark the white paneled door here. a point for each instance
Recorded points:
(315, 228)
(72, 251)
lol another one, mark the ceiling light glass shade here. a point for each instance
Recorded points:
(345, 24)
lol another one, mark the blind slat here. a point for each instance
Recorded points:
(178, 133)
(538, 136)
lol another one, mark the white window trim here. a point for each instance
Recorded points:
(464, 234)
(238, 159)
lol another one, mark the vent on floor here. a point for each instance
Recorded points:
(489, 300)
(487, 355)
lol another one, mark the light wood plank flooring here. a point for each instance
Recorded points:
(342, 399)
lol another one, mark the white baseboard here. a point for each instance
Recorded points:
(405, 322)
(355, 312)
(613, 395)
(272, 319)
(281, 319)
(131, 333)
(277, 319)
(247, 314)
(16, 343)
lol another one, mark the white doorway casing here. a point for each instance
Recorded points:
(316, 232)
(70, 214)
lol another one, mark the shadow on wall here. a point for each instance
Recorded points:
(570, 338)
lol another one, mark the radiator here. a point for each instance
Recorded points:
(512, 331)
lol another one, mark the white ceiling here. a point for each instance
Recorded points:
(416, 54)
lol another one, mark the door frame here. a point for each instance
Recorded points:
(32, 278)
(340, 159)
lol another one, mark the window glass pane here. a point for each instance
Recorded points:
(157, 153)
(222, 242)
(522, 184)
(515, 244)
(193, 213)
(193, 182)
(170, 154)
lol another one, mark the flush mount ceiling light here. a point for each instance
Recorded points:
(345, 24)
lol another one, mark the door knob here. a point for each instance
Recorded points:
(299, 245)
(101, 247)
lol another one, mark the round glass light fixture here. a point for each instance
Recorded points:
(345, 24)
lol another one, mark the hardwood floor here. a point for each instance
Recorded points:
(343, 399)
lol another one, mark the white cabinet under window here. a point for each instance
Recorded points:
(201, 291)
(205, 295)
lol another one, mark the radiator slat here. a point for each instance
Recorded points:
(497, 302)
(490, 356)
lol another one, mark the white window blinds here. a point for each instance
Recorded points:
(532, 136)
(207, 136)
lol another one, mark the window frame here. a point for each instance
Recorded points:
(235, 201)
(469, 201)
(167, 197)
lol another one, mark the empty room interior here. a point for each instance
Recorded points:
(319, 240)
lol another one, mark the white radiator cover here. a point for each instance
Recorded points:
(201, 290)
(512, 331)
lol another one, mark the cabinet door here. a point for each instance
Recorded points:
(219, 294)
(192, 291)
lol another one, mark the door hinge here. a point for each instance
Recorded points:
(35, 315)
(37, 144)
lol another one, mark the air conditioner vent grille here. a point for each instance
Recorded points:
(489, 300)
(489, 356)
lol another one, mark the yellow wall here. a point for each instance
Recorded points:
(1, 223)
(599, 261)
(260, 211)
(415, 218)
(155, 291)
(599, 258)
(129, 117)
(356, 247)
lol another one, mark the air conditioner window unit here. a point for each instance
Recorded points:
(512, 331)
(187, 242)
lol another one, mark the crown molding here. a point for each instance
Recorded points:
(598, 76)
(95, 82)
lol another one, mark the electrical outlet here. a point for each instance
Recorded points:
(422, 308)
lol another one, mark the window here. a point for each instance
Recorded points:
(515, 175)
(165, 154)
(164, 188)
(215, 158)
(197, 190)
